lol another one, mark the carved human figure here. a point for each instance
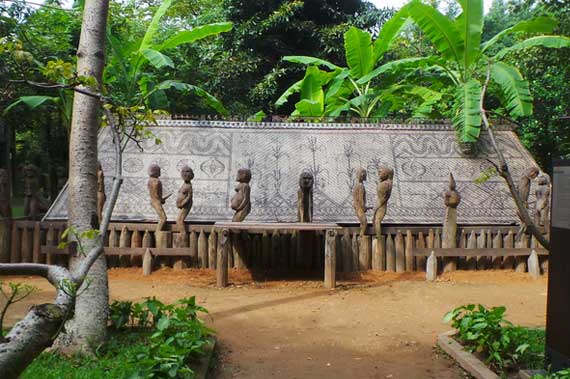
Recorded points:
(383, 192)
(452, 198)
(34, 204)
(241, 201)
(542, 211)
(305, 197)
(101, 197)
(184, 199)
(5, 198)
(524, 184)
(154, 185)
(359, 200)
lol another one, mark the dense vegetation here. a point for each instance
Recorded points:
(147, 340)
(235, 64)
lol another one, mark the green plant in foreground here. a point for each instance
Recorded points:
(504, 346)
(149, 339)
(563, 374)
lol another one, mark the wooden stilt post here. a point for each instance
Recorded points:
(390, 254)
(203, 249)
(472, 244)
(222, 264)
(400, 252)
(124, 243)
(37, 257)
(266, 250)
(147, 263)
(497, 244)
(509, 243)
(212, 249)
(521, 261)
(27, 254)
(431, 268)
(275, 250)
(364, 253)
(354, 255)
(421, 244)
(136, 241)
(481, 244)
(50, 241)
(15, 248)
(533, 265)
(5, 237)
(409, 253)
(330, 259)
(346, 252)
(193, 249)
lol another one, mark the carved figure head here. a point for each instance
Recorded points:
(361, 175)
(531, 172)
(385, 173)
(243, 175)
(452, 184)
(306, 180)
(186, 173)
(543, 180)
(154, 171)
(30, 170)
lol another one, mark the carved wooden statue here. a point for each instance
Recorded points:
(156, 199)
(542, 211)
(383, 192)
(184, 199)
(5, 198)
(241, 201)
(305, 197)
(101, 197)
(359, 200)
(451, 200)
(34, 204)
(524, 184)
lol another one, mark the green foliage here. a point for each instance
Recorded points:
(148, 340)
(504, 346)
(13, 292)
(562, 374)
(465, 61)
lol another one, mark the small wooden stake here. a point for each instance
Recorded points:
(147, 263)
(266, 250)
(472, 244)
(497, 244)
(431, 268)
(534, 265)
(421, 244)
(193, 248)
(509, 242)
(124, 243)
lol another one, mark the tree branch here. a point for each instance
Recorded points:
(503, 170)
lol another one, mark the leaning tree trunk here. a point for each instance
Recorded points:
(88, 326)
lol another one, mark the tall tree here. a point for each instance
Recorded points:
(88, 327)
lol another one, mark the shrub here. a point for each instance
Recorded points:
(564, 374)
(504, 346)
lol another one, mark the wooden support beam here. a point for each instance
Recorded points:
(330, 259)
(222, 264)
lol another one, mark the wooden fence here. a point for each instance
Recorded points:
(400, 248)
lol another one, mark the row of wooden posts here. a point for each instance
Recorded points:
(28, 241)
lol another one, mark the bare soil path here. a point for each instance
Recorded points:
(373, 326)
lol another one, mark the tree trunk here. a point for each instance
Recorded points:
(88, 327)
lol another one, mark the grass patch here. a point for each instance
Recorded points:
(117, 359)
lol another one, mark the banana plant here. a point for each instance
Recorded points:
(464, 59)
(330, 90)
(126, 72)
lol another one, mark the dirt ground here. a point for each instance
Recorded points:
(377, 325)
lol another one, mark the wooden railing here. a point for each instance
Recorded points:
(400, 248)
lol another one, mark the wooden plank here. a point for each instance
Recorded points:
(390, 254)
(212, 250)
(365, 253)
(400, 252)
(253, 226)
(458, 252)
(409, 252)
(36, 244)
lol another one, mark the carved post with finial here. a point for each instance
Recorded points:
(452, 198)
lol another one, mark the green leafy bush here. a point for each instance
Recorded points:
(563, 374)
(177, 335)
(505, 347)
(149, 339)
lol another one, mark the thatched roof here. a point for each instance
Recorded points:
(422, 156)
